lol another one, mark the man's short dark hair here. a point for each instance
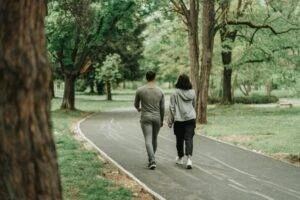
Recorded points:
(150, 75)
(183, 82)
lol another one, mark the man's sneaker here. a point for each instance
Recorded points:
(152, 165)
(189, 163)
(179, 161)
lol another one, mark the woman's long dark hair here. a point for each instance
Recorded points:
(183, 82)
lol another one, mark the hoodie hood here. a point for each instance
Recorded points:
(186, 95)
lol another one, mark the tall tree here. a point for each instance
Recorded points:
(110, 72)
(28, 168)
(190, 16)
(228, 36)
(208, 32)
(76, 31)
(238, 22)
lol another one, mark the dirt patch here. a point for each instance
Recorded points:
(294, 159)
(237, 138)
(111, 172)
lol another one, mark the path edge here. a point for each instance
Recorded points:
(249, 150)
(107, 157)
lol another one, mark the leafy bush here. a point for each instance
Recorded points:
(256, 99)
(253, 99)
(214, 100)
(80, 85)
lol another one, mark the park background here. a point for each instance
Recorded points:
(99, 53)
(242, 57)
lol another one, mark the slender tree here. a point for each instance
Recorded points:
(208, 23)
(28, 168)
(190, 16)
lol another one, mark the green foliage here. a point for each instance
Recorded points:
(110, 69)
(80, 85)
(166, 49)
(256, 99)
(253, 99)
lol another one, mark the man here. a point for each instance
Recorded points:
(149, 99)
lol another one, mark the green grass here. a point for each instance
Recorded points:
(94, 103)
(271, 130)
(80, 169)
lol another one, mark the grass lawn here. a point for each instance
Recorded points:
(271, 130)
(81, 169)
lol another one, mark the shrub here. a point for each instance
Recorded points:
(214, 100)
(80, 85)
(256, 99)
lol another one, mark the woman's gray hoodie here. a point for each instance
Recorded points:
(182, 106)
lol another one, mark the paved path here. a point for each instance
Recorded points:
(220, 171)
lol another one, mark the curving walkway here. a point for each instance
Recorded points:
(220, 171)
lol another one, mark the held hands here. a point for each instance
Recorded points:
(165, 123)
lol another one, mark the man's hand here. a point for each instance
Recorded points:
(162, 123)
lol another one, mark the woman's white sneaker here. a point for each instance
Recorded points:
(189, 163)
(179, 161)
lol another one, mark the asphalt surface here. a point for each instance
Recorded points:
(220, 171)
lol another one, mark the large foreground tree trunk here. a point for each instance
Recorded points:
(28, 166)
(69, 93)
(206, 62)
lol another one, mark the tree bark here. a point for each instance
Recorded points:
(206, 62)
(193, 40)
(108, 90)
(28, 168)
(92, 85)
(69, 93)
(52, 92)
(227, 90)
(226, 53)
(268, 89)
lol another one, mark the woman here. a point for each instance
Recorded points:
(182, 114)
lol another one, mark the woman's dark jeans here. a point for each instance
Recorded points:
(184, 132)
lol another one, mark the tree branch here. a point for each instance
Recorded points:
(265, 26)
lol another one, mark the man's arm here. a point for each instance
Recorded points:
(137, 101)
(162, 109)
(171, 111)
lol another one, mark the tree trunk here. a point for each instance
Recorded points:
(69, 93)
(108, 90)
(28, 168)
(206, 62)
(193, 40)
(226, 53)
(268, 89)
(92, 85)
(227, 91)
(52, 92)
(234, 85)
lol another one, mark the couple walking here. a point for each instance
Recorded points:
(149, 100)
